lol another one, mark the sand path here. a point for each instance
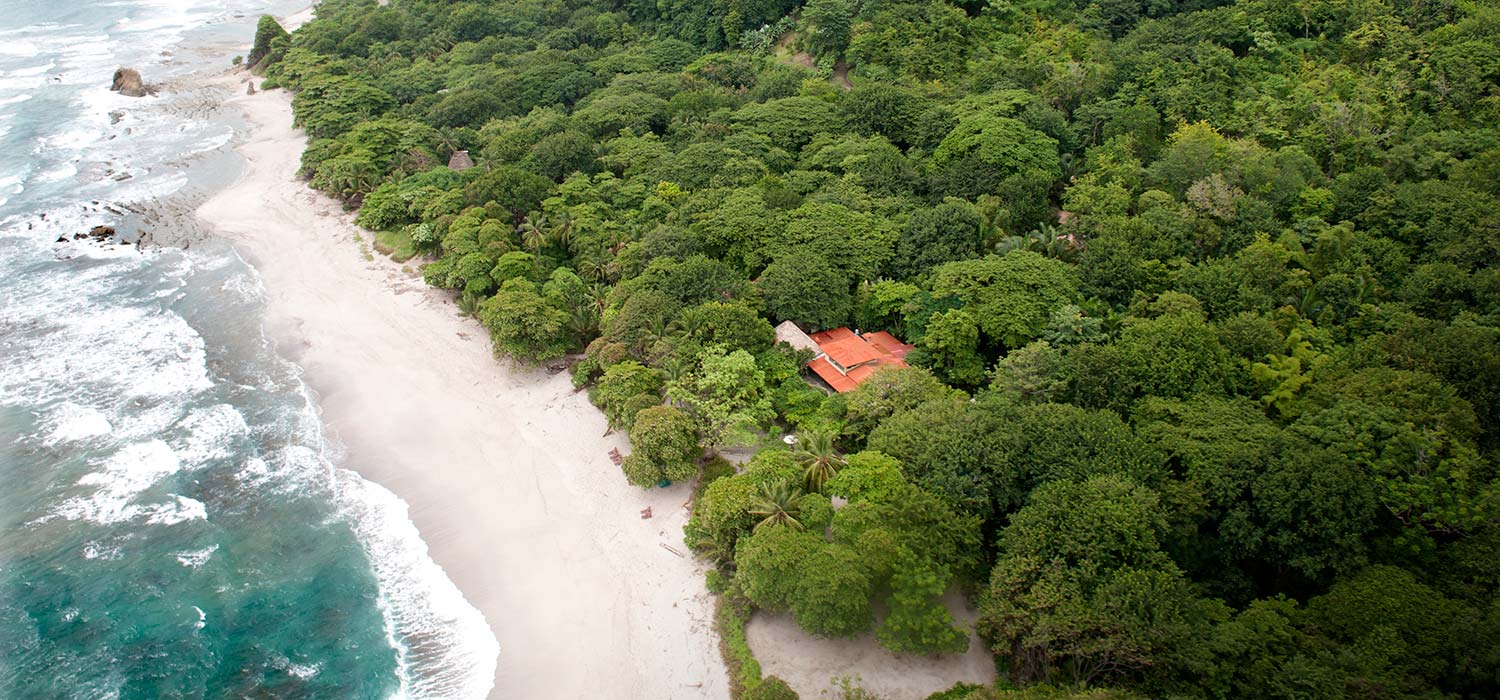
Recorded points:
(505, 471)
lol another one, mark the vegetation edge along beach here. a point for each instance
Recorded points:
(1163, 334)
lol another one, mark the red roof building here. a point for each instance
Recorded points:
(845, 358)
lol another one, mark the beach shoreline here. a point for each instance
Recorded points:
(505, 470)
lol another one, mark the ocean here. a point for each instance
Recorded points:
(173, 521)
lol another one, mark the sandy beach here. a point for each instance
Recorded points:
(812, 666)
(505, 470)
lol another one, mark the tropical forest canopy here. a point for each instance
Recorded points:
(1206, 389)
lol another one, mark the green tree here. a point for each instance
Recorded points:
(829, 22)
(562, 154)
(806, 289)
(621, 383)
(951, 348)
(997, 155)
(947, 232)
(467, 108)
(511, 187)
(667, 440)
(1400, 631)
(1036, 372)
(524, 324)
(887, 393)
(267, 33)
(917, 621)
(874, 107)
(790, 122)
(1173, 355)
(1010, 297)
(856, 243)
(832, 595)
(1081, 586)
(728, 324)
(721, 517)
(727, 395)
(769, 565)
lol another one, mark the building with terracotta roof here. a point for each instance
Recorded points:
(846, 358)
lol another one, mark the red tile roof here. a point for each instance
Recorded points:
(863, 372)
(888, 344)
(832, 334)
(858, 356)
(850, 352)
(835, 378)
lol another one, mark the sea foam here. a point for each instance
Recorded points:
(445, 648)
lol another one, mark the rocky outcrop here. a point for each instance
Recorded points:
(97, 234)
(127, 81)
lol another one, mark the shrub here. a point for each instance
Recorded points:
(730, 616)
(770, 688)
(640, 471)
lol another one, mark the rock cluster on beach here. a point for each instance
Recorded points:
(128, 82)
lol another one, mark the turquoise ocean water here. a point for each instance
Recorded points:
(173, 523)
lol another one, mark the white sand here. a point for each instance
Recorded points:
(809, 664)
(505, 471)
(293, 21)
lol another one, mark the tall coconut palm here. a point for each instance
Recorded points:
(777, 506)
(561, 232)
(816, 453)
(533, 230)
(599, 297)
(593, 265)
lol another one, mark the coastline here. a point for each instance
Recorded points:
(505, 470)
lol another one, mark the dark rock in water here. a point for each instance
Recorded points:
(127, 81)
(99, 233)
(61, 239)
(115, 117)
(250, 90)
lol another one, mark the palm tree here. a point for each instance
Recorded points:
(777, 506)
(689, 325)
(816, 453)
(1047, 240)
(617, 239)
(673, 367)
(593, 265)
(533, 232)
(1008, 243)
(561, 232)
(1308, 304)
(584, 322)
(599, 297)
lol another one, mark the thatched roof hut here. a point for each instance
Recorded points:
(790, 334)
(460, 161)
